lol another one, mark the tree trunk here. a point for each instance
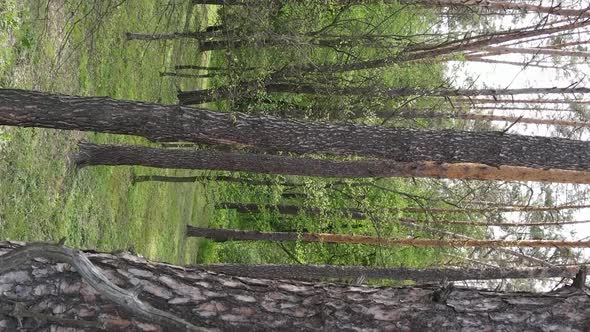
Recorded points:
(222, 235)
(510, 63)
(267, 133)
(520, 108)
(454, 47)
(319, 272)
(163, 178)
(502, 50)
(410, 114)
(215, 94)
(498, 5)
(130, 293)
(162, 74)
(181, 67)
(111, 155)
(359, 214)
(174, 35)
(220, 178)
(290, 209)
(522, 101)
(499, 223)
(444, 233)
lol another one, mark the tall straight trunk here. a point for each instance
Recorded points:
(216, 178)
(222, 235)
(510, 63)
(173, 35)
(520, 108)
(122, 292)
(180, 67)
(359, 214)
(290, 209)
(501, 50)
(92, 154)
(267, 133)
(499, 223)
(444, 233)
(319, 272)
(458, 46)
(482, 117)
(173, 74)
(521, 101)
(214, 94)
(497, 5)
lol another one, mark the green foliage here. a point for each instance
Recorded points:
(285, 37)
(77, 47)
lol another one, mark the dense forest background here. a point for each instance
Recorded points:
(384, 63)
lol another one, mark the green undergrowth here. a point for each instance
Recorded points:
(78, 47)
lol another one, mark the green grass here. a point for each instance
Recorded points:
(78, 47)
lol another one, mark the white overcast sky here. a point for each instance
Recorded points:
(508, 76)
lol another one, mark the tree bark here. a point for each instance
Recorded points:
(220, 178)
(214, 94)
(499, 224)
(196, 300)
(498, 5)
(319, 272)
(174, 35)
(502, 50)
(173, 74)
(195, 67)
(522, 101)
(359, 214)
(520, 108)
(266, 133)
(92, 154)
(410, 114)
(222, 235)
(290, 209)
(510, 63)
(454, 47)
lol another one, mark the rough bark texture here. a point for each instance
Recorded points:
(482, 117)
(502, 50)
(220, 178)
(315, 272)
(225, 303)
(222, 235)
(247, 88)
(173, 123)
(441, 232)
(499, 223)
(522, 101)
(174, 35)
(445, 49)
(92, 154)
(501, 5)
(290, 209)
(359, 214)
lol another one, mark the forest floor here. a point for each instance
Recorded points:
(79, 47)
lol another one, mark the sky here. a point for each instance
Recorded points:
(509, 76)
